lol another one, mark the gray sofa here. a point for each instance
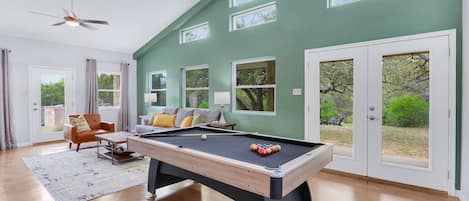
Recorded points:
(208, 116)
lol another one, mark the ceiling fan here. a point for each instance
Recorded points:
(72, 20)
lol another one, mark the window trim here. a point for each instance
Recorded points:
(234, 5)
(181, 33)
(183, 84)
(108, 90)
(331, 5)
(267, 86)
(249, 11)
(150, 86)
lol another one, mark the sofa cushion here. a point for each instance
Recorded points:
(80, 123)
(208, 115)
(151, 115)
(164, 120)
(143, 128)
(168, 110)
(182, 114)
(198, 119)
(88, 136)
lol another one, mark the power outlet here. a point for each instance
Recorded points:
(297, 92)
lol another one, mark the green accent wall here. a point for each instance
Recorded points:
(300, 25)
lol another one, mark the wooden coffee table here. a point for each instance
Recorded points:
(110, 151)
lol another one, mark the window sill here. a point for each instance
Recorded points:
(257, 113)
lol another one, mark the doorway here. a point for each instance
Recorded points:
(386, 106)
(51, 101)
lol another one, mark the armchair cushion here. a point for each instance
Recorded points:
(94, 120)
(89, 136)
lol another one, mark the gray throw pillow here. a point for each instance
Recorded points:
(168, 110)
(208, 115)
(181, 114)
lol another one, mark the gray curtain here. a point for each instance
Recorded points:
(7, 135)
(124, 106)
(91, 87)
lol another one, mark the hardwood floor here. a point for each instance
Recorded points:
(18, 184)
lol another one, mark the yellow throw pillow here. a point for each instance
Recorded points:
(80, 123)
(187, 122)
(164, 120)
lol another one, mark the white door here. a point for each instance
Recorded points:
(408, 112)
(51, 101)
(338, 78)
(384, 105)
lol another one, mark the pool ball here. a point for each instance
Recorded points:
(203, 136)
(253, 147)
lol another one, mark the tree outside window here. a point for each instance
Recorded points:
(255, 86)
(196, 87)
(109, 90)
(158, 85)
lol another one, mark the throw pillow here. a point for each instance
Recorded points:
(187, 122)
(164, 120)
(198, 119)
(182, 114)
(152, 117)
(80, 123)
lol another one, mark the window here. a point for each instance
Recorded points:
(109, 91)
(334, 3)
(236, 3)
(158, 85)
(194, 33)
(196, 86)
(254, 85)
(253, 17)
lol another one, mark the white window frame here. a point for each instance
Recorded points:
(233, 3)
(184, 88)
(182, 39)
(332, 4)
(150, 86)
(267, 86)
(109, 90)
(250, 11)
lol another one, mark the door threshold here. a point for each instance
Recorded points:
(386, 182)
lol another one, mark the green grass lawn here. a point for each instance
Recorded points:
(397, 141)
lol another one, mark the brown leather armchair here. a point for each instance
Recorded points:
(97, 126)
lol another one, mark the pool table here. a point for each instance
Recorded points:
(225, 163)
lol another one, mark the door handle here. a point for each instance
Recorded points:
(34, 109)
(372, 117)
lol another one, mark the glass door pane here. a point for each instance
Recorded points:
(336, 105)
(52, 103)
(405, 109)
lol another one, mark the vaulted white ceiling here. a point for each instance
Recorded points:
(132, 22)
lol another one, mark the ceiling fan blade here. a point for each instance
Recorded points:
(44, 14)
(96, 21)
(87, 26)
(57, 24)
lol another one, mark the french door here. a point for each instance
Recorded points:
(385, 107)
(51, 101)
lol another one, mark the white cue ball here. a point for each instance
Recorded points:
(203, 136)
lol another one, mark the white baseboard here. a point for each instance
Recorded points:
(460, 195)
(24, 144)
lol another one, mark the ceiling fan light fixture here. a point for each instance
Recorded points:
(72, 23)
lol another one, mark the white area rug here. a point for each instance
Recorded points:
(72, 176)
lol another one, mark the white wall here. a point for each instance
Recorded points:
(27, 52)
(465, 112)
